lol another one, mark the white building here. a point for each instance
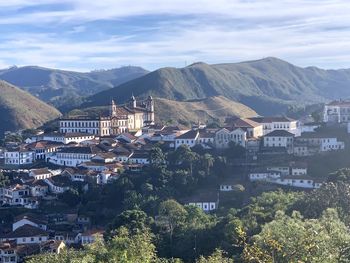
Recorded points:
(40, 174)
(189, 138)
(19, 156)
(29, 220)
(26, 234)
(73, 156)
(120, 119)
(280, 139)
(271, 124)
(315, 143)
(337, 112)
(225, 136)
(253, 128)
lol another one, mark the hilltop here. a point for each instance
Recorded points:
(20, 110)
(64, 89)
(268, 85)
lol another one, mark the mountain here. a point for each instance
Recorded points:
(268, 86)
(64, 89)
(20, 110)
(210, 109)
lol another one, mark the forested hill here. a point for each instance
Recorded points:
(268, 85)
(65, 89)
(20, 110)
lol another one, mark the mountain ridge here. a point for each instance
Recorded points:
(20, 110)
(63, 88)
(267, 85)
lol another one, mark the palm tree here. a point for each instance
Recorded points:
(208, 162)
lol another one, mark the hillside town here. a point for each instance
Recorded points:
(87, 153)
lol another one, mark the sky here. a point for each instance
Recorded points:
(86, 35)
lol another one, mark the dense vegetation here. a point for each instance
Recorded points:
(268, 85)
(20, 110)
(147, 222)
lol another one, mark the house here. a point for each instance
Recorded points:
(271, 124)
(299, 181)
(310, 126)
(262, 174)
(206, 138)
(43, 149)
(225, 136)
(189, 138)
(207, 201)
(10, 252)
(40, 174)
(126, 137)
(73, 156)
(58, 184)
(30, 219)
(229, 185)
(337, 112)
(140, 158)
(63, 138)
(298, 168)
(280, 139)
(19, 156)
(26, 234)
(68, 237)
(253, 129)
(105, 157)
(38, 188)
(90, 236)
(18, 195)
(316, 142)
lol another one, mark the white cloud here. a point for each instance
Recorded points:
(306, 32)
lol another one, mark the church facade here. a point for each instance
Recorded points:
(130, 117)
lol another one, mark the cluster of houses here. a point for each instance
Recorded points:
(97, 151)
(32, 234)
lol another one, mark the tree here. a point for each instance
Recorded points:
(135, 221)
(137, 248)
(294, 239)
(4, 180)
(158, 158)
(70, 197)
(342, 175)
(217, 257)
(208, 161)
(172, 215)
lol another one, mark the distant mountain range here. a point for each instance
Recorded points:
(64, 89)
(269, 86)
(20, 110)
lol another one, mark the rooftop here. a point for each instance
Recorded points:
(271, 119)
(279, 133)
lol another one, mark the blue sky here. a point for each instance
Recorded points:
(86, 35)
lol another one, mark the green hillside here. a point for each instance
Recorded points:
(268, 85)
(20, 110)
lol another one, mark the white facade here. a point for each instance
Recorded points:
(223, 137)
(337, 112)
(271, 124)
(72, 157)
(19, 157)
(205, 206)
